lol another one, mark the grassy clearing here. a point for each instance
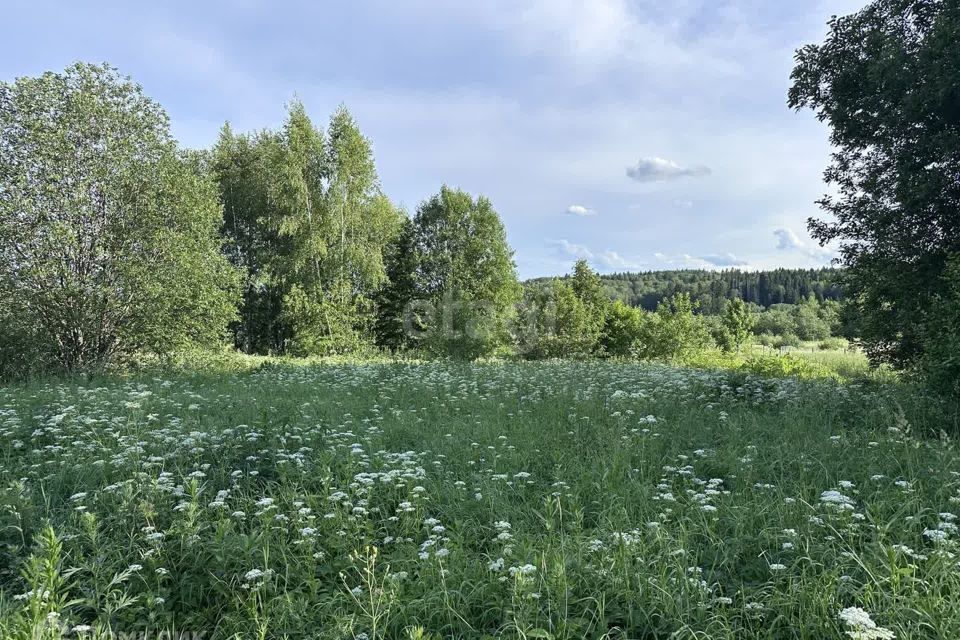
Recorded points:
(563, 500)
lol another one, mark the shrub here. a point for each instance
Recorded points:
(832, 344)
(673, 331)
(787, 340)
(623, 330)
(784, 366)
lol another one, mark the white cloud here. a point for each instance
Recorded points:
(724, 260)
(566, 249)
(580, 210)
(607, 260)
(661, 169)
(787, 240)
(613, 261)
(710, 261)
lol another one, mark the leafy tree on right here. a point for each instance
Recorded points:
(886, 81)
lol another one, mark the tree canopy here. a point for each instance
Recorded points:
(108, 233)
(885, 80)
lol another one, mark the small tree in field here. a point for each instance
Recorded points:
(108, 234)
(737, 323)
(465, 271)
(588, 288)
(673, 330)
(623, 329)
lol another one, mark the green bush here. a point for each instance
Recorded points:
(765, 339)
(623, 329)
(832, 344)
(787, 340)
(785, 366)
(673, 331)
(940, 363)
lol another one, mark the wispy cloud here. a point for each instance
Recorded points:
(580, 210)
(661, 169)
(724, 260)
(568, 250)
(612, 261)
(709, 261)
(607, 260)
(787, 240)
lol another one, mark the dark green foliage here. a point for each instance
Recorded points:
(108, 233)
(241, 168)
(885, 80)
(940, 362)
(398, 292)
(711, 289)
(624, 328)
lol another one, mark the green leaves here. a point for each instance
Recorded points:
(884, 79)
(108, 235)
(306, 219)
(465, 271)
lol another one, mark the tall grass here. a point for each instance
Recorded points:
(527, 500)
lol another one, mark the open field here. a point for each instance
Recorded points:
(563, 500)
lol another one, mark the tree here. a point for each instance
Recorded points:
(588, 288)
(940, 362)
(673, 330)
(885, 81)
(108, 234)
(737, 322)
(241, 166)
(349, 225)
(557, 324)
(623, 330)
(465, 271)
(398, 292)
(307, 221)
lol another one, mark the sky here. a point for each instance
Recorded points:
(637, 134)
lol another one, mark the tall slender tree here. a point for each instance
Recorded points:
(241, 167)
(398, 292)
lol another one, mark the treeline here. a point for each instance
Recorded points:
(115, 243)
(710, 290)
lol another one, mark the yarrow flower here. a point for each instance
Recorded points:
(860, 626)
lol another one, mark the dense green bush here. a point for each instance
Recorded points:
(833, 344)
(940, 363)
(624, 328)
(787, 340)
(673, 331)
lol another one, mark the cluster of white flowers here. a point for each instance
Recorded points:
(837, 500)
(860, 626)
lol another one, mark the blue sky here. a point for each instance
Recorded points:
(637, 134)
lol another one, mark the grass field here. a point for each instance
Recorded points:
(541, 500)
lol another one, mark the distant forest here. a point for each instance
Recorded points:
(711, 289)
